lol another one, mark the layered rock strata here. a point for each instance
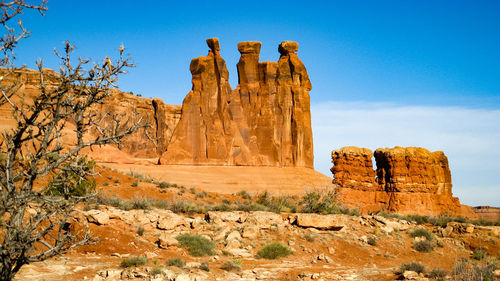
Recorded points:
(408, 180)
(265, 121)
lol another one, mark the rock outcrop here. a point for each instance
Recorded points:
(488, 213)
(408, 180)
(265, 121)
(413, 169)
(353, 168)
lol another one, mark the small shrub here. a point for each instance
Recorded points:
(371, 241)
(418, 219)
(230, 266)
(202, 194)
(105, 184)
(157, 270)
(140, 230)
(414, 266)
(117, 181)
(244, 194)
(274, 250)
(420, 232)
(423, 246)
(468, 271)
(134, 261)
(437, 273)
(204, 266)
(180, 263)
(163, 184)
(135, 184)
(197, 245)
(309, 237)
(478, 255)
(226, 201)
(192, 190)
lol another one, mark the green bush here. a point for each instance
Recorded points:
(134, 261)
(180, 263)
(423, 246)
(274, 250)
(197, 245)
(472, 271)
(135, 184)
(421, 232)
(68, 184)
(418, 219)
(478, 255)
(414, 266)
(317, 202)
(117, 181)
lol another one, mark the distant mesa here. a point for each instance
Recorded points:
(407, 180)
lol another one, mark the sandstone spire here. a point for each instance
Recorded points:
(265, 121)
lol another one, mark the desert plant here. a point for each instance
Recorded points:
(204, 266)
(421, 232)
(134, 261)
(135, 184)
(274, 250)
(437, 273)
(467, 271)
(230, 266)
(156, 270)
(414, 266)
(478, 254)
(244, 194)
(180, 263)
(117, 181)
(418, 219)
(423, 246)
(163, 184)
(197, 245)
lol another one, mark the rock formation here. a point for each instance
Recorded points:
(413, 169)
(353, 168)
(265, 121)
(488, 213)
(408, 180)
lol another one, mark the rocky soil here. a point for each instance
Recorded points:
(325, 247)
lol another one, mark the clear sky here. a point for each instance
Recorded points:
(384, 73)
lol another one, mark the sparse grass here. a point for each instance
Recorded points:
(230, 266)
(163, 184)
(414, 266)
(309, 237)
(134, 261)
(274, 250)
(201, 194)
(473, 271)
(423, 246)
(178, 262)
(197, 245)
(421, 232)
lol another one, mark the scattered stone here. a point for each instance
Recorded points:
(97, 217)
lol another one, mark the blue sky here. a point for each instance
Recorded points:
(377, 57)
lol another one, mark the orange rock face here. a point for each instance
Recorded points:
(265, 121)
(413, 169)
(408, 180)
(353, 168)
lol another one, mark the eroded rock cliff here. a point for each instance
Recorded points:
(409, 180)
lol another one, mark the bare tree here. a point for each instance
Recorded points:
(37, 223)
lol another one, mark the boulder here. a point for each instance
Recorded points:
(168, 221)
(164, 241)
(322, 222)
(264, 220)
(98, 217)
